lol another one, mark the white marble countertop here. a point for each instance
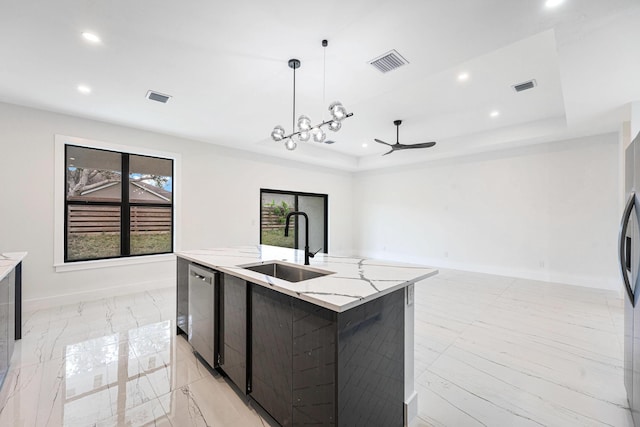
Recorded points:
(8, 261)
(353, 281)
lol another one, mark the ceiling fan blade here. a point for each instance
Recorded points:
(329, 141)
(389, 152)
(382, 142)
(421, 145)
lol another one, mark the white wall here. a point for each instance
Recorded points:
(635, 119)
(547, 212)
(220, 196)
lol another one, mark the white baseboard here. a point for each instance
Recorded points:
(610, 283)
(410, 409)
(34, 304)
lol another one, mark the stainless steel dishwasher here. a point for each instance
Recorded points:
(202, 301)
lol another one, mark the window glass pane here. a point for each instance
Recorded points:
(313, 206)
(93, 231)
(93, 175)
(150, 229)
(94, 190)
(274, 209)
(151, 180)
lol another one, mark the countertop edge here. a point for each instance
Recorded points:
(9, 261)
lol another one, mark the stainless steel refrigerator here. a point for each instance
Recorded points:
(629, 258)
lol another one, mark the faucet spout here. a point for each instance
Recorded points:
(306, 233)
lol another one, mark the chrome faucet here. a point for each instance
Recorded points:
(307, 255)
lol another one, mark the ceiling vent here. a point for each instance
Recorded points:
(388, 61)
(530, 84)
(157, 96)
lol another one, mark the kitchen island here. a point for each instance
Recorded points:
(10, 306)
(336, 349)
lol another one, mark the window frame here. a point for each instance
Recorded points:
(125, 204)
(60, 203)
(325, 198)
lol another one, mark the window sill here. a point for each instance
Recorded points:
(115, 262)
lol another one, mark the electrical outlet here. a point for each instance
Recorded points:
(541, 264)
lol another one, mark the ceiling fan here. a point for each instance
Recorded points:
(397, 146)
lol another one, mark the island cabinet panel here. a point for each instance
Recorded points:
(5, 335)
(271, 352)
(11, 315)
(314, 365)
(371, 363)
(233, 333)
(182, 311)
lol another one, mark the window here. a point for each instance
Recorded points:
(117, 204)
(274, 207)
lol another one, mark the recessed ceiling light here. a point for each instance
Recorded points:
(91, 37)
(495, 113)
(553, 3)
(463, 77)
(365, 145)
(84, 89)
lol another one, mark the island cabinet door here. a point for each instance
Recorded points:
(271, 347)
(11, 315)
(233, 330)
(314, 365)
(182, 309)
(4, 328)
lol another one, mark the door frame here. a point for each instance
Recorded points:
(296, 194)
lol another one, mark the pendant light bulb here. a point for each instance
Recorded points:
(335, 126)
(278, 133)
(304, 123)
(318, 134)
(338, 112)
(304, 135)
(290, 144)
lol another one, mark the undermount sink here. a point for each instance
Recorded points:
(288, 272)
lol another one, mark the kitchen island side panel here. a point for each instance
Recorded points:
(371, 363)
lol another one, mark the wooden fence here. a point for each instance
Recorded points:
(271, 221)
(94, 219)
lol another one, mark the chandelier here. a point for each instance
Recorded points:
(305, 131)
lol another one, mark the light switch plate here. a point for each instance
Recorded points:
(410, 295)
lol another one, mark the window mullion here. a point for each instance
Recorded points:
(125, 210)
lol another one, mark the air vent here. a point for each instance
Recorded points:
(389, 61)
(524, 86)
(157, 96)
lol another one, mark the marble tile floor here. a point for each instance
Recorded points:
(499, 351)
(490, 351)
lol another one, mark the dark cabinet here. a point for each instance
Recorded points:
(271, 352)
(182, 309)
(11, 315)
(7, 328)
(233, 330)
(293, 358)
(314, 364)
